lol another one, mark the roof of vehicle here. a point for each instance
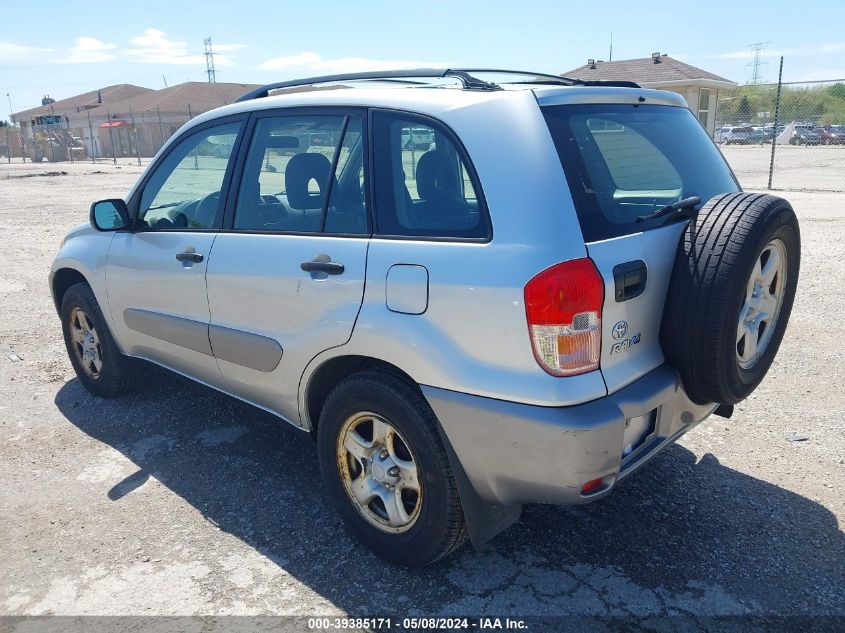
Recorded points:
(437, 101)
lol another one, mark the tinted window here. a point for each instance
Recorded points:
(424, 186)
(289, 175)
(184, 190)
(622, 161)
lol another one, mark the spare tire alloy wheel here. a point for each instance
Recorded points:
(763, 300)
(379, 472)
(731, 294)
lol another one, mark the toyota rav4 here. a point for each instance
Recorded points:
(559, 283)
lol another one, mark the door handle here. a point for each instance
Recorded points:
(189, 256)
(323, 264)
(629, 279)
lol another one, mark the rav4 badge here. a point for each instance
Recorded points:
(623, 345)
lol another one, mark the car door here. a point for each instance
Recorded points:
(287, 277)
(155, 274)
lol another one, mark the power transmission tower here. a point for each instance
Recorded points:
(209, 61)
(758, 49)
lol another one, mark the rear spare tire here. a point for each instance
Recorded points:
(731, 294)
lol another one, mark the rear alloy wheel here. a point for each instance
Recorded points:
(387, 471)
(379, 472)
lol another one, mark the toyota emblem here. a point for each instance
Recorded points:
(620, 329)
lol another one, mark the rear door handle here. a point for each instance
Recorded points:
(629, 279)
(189, 256)
(323, 264)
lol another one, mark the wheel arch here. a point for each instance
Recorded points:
(61, 280)
(327, 375)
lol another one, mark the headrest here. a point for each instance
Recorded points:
(437, 176)
(300, 171)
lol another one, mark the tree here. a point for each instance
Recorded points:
(837, 90)
(743, 112)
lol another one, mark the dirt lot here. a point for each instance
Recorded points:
(795, 168)
(177, 500)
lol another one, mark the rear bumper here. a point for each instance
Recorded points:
(516, 453)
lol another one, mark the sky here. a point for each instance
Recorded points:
(73, 46)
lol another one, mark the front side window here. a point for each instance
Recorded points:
(424, 187)
(184, 191)
(304, 173)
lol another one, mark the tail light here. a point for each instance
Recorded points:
(563, 305)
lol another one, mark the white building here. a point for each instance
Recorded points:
(699, 87)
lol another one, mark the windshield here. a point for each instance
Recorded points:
(622, 161)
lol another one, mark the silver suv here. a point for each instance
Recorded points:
(566, 280)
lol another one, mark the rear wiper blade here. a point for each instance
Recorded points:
(680, 205)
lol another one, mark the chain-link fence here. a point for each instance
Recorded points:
(787, 136)
(93, 138)
(784, 136)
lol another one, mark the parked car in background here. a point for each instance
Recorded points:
(760, 135)
(833, 135)
(736, 135)
(806, 136)
(417, 138)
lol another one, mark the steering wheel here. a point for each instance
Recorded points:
(206, 210)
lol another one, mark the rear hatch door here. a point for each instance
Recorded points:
(623, 161)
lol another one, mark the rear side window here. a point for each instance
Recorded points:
(424, 184)
(304, 174)
(622, 161)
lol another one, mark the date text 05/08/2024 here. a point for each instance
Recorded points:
(417, 624)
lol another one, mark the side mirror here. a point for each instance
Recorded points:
(109, 215)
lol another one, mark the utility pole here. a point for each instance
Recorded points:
(209, 61)
(758, 49)
(610, 56)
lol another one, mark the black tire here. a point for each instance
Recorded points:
(707, 291)
(116, 374)
(440, 527)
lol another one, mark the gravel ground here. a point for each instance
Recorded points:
(816, 167)
(178, 500)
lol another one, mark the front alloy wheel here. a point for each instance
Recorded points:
(86, 342)
(95, 357)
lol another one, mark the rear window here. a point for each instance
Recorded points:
(622, 161)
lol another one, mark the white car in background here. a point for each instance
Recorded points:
(733, 134)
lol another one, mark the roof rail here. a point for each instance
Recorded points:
(465, 75)
(546, 78)
(468, 81)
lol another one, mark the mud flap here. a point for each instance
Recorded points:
(484, 520)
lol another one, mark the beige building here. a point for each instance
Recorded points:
(122, 120)
(56, 124)
(699, 87)
(143, 122)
